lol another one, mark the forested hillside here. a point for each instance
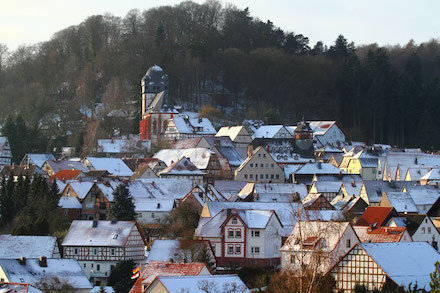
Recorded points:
(381, 94)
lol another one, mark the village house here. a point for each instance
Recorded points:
(16, 171)
(238, 134)
(271, 131)
(143, 171)
(327, 132)
(183, 168)
(197, 284)
(201, 194)
(100, 245)
(135, 163)
(376, 216)
(243, 237)
(163, 268)
(428, 231)
(363, 163)
(18, 288)
(152, 212)
(317, 245)
(15, 247)
(36, 159)
(259, 166)
(396, 263)
(323, 154)
(51, 167)
(402, 202)
(33, 270)
(122, 147)
(204, 159)
(183, 127)
(5, 152)
(306, 173)
(396, 164)
(416, 173)
(316, 201)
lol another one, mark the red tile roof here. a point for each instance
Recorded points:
(66, 175)
(379, 234)
(161, 268)
(373, 215)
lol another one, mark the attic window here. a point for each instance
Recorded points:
(234, 220)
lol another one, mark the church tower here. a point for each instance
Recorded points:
(156, 108)
(303, 135)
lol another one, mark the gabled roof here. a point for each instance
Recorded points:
(114, 166)
(18, 288)
(423, 194)
(81, 188)
(317, 168)
(231, 131)
(14, 247)
(283, 191)
(433, 174)
(66, 165)
(198, 156)
(38, 159)
(379, 234)
(66, 175)
(181, 167)
(268, 131)
(194, 284)
(376, 215)
(69, 202)
(122, 145)
(153, 205)
(187, 143)
(106, 233)
(404, 262)
(329, 232)
(402, 202)
(321, 127)
(32, 272)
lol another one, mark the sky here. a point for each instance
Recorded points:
(386, 22)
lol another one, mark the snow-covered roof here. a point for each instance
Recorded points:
(181, 167)
(317, 168)
(321, 127)
(268, 191)
(412, 159)
(107, 190)
(267, 131)
(379, 234)
(106, 233)
(31, 272)
(122, 145)
(233, 156)
(67, 165)
(405, 262)
(69, 202)
(18, 288)
(416, 173)
(39, 159)
(402, 202)
(14, 247)
(376, 188)
(198, 156)
(231, 131)
(256, 219)
(328, 186)
(153, 205)
(196, 284)
(190, 125)
(162, 250)
(114, 166)
(433, 174)
(81, 188)
(329, 232)
(424, 194)
(167, 188)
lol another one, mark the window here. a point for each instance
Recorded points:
(348, 243)
(140, 215)
(264, 155)
(230, 233)
(237, 233)
(272, 176)
(429, 230)
(278, 176)
(261, 176)
(252, 165)
(255, 249)
(84, 265)
(292, 258)
(267, 165)
(111, 267)
(245, 176)
(75, 251)
(252, 176)
(267, 176)
(259, 155)
(234, 220)
(95, 251)
(230, 249)
(237, 249)
(112, 251)
(255, 234)
(262, 165)
(272, 165)
(423, 230)
(98, 267)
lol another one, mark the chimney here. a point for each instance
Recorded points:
(22, 260)
(42, 261)
(95, 223)
(353, 183)
(250, 150)
(267, 149)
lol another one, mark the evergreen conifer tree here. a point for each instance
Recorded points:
(122, 207)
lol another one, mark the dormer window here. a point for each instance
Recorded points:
(115, 236)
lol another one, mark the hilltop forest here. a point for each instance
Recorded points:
(378, 94)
